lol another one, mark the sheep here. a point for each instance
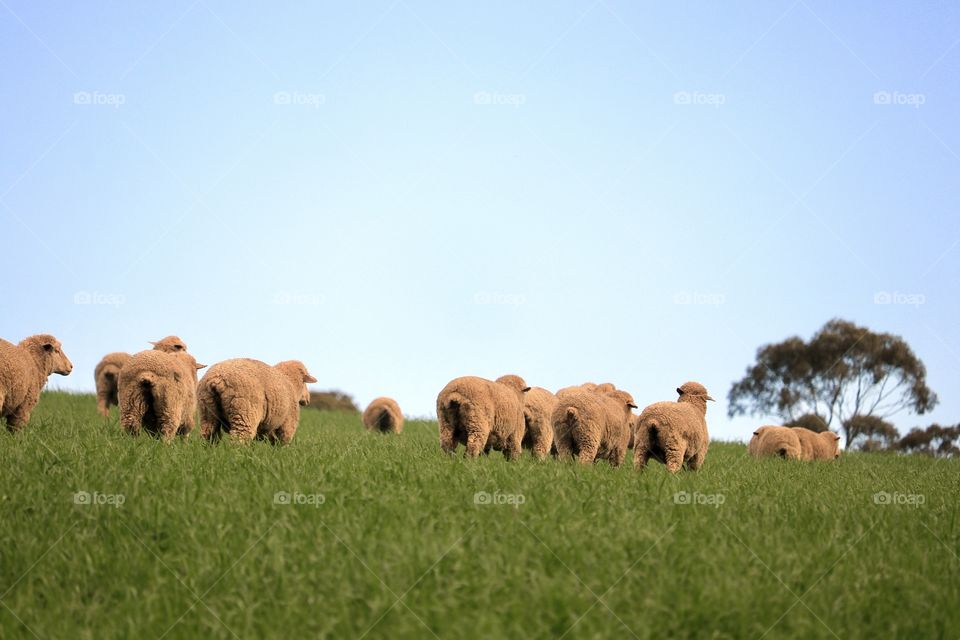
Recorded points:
(158, 393)
(248, 399)
(593, 426)
(106, 376)
(674, 433)
(817, 446)
(482, 415)
(170, 344)
(538, 405)
(771, 440)
(107, 372)
(24, 369)
(383, 415)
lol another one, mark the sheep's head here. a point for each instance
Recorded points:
(622, 397)
(297, 373)
(605, 387)
(833, 442)
(695, 393)
(170, 344)
(514, 382)
(192, 365)
(48, 354)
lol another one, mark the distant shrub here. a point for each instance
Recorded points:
(332, 400)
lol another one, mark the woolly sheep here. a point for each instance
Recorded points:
(771, 440)
(674, 433)
(592, 426)
(538, 405)
(817, 446)
(158, 393)
(482, 415)
(107, 373)
(383, 415)
(24, 369)
(249, 399)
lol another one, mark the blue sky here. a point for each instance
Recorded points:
(401, 192)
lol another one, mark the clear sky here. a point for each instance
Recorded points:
(402, 192)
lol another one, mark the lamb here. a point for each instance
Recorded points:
(674, 433)
(158, 393)
(24, 369)
(482, 415)
(383, 415)
(770, 440)
(107, 372)
(593, 426)
(817, 446)
(538, 405)
(248, 399)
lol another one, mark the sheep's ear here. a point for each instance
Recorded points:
(151, 342)
(308, 378)
(679, 390)
(710, 399)
(836, 437)
(200, 366)
(525, 389)
(757, 432)
(632, 406)
(48, 346)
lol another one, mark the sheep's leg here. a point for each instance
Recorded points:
(696, 461)
(514, 446)
(617, 455)
(541, 446)
(587, 450)
(17, 420)
(640, 456)
(447, 442)
(242, 429)
(287, 431)
(103, 404)
(674, 457)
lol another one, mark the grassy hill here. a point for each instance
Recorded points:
(350, 534)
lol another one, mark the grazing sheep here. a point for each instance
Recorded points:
(592, 426)
(674, 433)
(482, 415)
(383, 415)
(107, 376)
(770, 440)
(24, 369)
(817, 446)
(538, 405)
(107, 373)
(249, 399)
(158, 393)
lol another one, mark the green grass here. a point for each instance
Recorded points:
(199, 548)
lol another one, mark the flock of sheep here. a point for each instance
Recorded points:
(157, 391)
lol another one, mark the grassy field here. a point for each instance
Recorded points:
(346, 534)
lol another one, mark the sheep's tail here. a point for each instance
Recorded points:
(214, 403)
(653, 435)
(111, 372)
(457, 409)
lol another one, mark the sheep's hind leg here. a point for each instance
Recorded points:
(696, 461)
(674, 458)
(17, 420)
